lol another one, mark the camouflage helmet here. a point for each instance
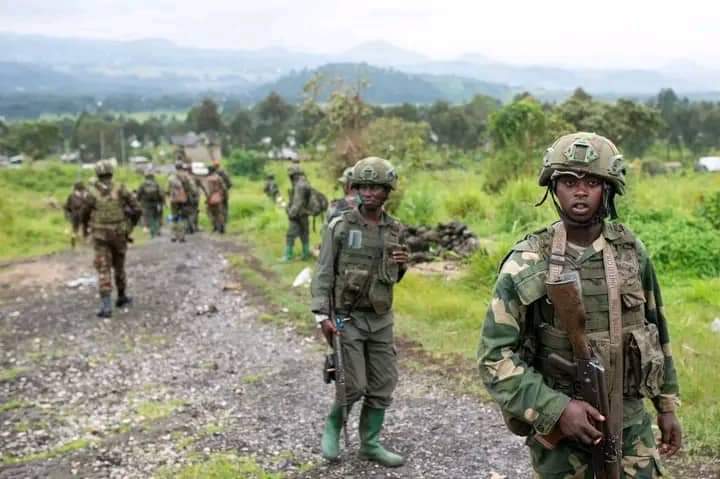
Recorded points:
(346, 176)
(374, 171)
(103, 168)
(585, 153)
(294, 169)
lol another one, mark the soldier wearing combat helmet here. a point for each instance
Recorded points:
(362, 257)
(348, 201)
(112, 212)
(616, 324)
(297, 212)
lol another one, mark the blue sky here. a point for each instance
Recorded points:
(617, 33)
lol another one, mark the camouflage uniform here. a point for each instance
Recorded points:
(355, 265)
(112, 212)
(297, 211)
(216, 200)
(271, 188)
(180, 191)
(521, 329)
(347, 202)
(73, 208)
(152, 199)
(226, 197)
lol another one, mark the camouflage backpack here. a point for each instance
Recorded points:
(177, 190)
(151, 191)
(317, 203)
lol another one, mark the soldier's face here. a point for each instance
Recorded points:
(579, 198)
(373, 196)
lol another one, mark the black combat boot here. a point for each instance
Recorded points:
(105, 307)
(123, 300)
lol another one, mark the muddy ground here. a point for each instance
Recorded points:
(193, 368)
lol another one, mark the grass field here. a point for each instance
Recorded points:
(448, 319)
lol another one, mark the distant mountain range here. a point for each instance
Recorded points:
(76, 66)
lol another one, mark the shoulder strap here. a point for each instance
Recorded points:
(557, 253)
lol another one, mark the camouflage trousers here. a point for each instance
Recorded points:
(370, 365)
(216, 213)
(641, 459)
(153, 215)
(180, 220)
(298, 228)
(109, 256)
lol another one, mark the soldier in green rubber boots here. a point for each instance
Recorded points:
(575, 337)
(362, 257)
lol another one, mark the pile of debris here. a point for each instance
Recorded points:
(452, 240)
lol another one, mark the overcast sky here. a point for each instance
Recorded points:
(641, 33)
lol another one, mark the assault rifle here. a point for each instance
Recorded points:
(339, 366)
(588, 374)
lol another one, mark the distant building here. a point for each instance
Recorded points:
(708, 163)
(202, 148)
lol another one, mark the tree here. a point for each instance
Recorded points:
(397, 140)
(205, 117)
(36, 139)
(633, 126)
(240, 128)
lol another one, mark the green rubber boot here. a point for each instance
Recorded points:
(305, 251)
(371, 422)
(288, 256)
(330, 443)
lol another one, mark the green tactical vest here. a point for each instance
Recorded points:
(108, 208)
(365, 274)
(644, 361)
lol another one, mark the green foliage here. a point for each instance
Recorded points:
(418, 207)
(709, 209)
(469, 205)
(204, 117)
(520, 124)
(516, 211)
(246, 163)
(509, 163)
(36, 139)
(399, 141)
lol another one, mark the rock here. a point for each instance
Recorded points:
(715, 325)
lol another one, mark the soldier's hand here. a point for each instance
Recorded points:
(401, 256)
(671, 433)
(328, 330)
(577, 420)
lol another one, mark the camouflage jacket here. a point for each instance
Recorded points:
(127, 206)
(299, 198)
(355, 265)
(225, 177)
(510, 369)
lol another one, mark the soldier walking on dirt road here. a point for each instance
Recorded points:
(73, 208)
(112, 212)
(362, 257)
(575, 337)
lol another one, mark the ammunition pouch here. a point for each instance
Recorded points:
(351, 286)
(644, 363)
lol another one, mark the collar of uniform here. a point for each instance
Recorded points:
(610, 232)
(356, 217)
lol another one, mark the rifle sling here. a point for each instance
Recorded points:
(616, 346)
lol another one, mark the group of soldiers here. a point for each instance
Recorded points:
(108, 212)
(574, 340)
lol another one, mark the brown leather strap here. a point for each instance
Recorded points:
(557, 253)
(616, 345)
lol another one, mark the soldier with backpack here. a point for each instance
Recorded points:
(216, 191)
(180, 189)
(73, 211)
(152, 199)
(298, 211)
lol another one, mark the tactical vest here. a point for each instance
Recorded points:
(151, 191)
(108, 208)
(644, 361)
(365, 273)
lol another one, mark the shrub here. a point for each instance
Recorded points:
(468, 205)
(516, 209)
(418, 208)
(246, 163)
(709, 209)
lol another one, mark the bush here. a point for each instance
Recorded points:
(468, 205)
(246, 163)
(709, 209)
(516, 209)
(418, 208)
(508, 164)
(679, 245)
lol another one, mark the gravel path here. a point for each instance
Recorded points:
(190, 370)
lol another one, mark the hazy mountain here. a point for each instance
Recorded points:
(383, 85)
(381, 54)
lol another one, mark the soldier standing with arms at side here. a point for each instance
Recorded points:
(271, 189)
(152, 199)
(362, 257)
(228, 185)
(179, 188)
(73, 211)
(216, 196)
(615, 324)
(112, 212)
(297, 211)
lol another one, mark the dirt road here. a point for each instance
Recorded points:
(190, 370)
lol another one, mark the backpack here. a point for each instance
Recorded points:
(317, 203)
(177, 190)
(151, 191)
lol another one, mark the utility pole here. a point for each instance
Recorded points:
(122, 145)
(102, 144)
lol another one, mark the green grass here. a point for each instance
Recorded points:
(154, 410)
(11, 374)
(12, 405)
(219, 466)
(62, 450)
